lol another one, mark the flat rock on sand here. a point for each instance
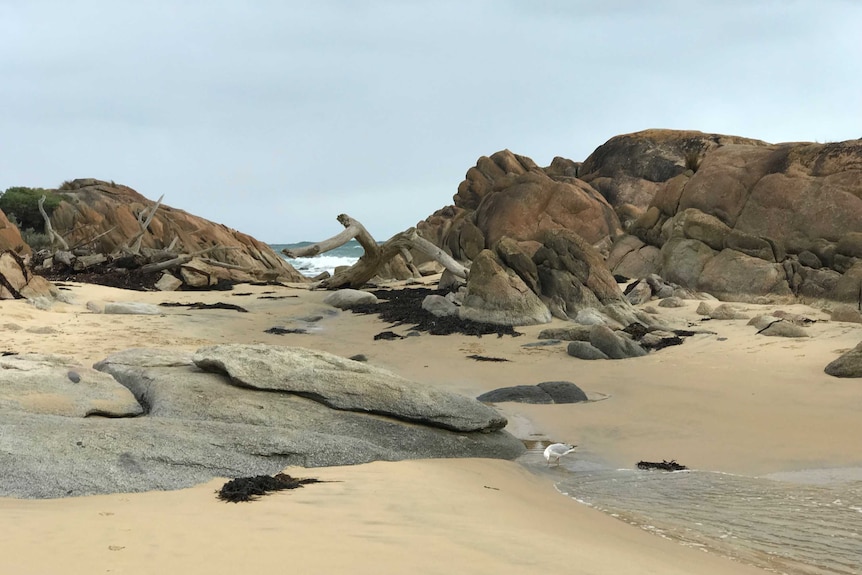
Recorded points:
(198, 425)
(57, 385)
(344, 384)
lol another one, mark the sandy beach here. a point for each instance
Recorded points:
(729, 401)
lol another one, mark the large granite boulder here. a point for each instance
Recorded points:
(631, 168)
(482, 179)
(201, 424)
(345, 384)
(106, 214)
(572, 275)
(17, 281)
(509, 195)
(534, 202)
(10, 236)
(497, 295)
(751, 221)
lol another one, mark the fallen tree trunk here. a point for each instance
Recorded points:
(376, 255)
(177, 261)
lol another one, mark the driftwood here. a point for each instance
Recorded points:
(144, 220)
(49, 229)
(376, 255)
(177, 261)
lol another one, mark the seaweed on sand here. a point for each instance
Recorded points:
(404, 307)
(252, 488)
(665, 465)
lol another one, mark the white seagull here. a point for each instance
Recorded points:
(556, 450)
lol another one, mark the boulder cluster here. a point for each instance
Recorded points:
(738, 218)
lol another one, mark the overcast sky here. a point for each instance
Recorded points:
(273, 117)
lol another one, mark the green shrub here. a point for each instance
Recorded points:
(23, 204)
(36, 240)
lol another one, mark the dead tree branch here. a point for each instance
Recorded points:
(134, 244)
(49, 229)
(376, 255)
(177, 261)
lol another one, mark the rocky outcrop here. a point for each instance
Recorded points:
(104, 216)
(753, 221)
(631, 169)
(526, 206)
(199, 424)
(509, 195)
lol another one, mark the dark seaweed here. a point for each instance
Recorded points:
(404, 307)
(252, 488)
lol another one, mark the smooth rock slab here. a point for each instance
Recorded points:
(131, 307)
(340, 383)
(55, 385)
(200, 425)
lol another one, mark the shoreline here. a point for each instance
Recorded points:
(732, 405)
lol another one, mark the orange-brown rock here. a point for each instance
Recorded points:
(759, 220)
(631, 168)
(104, 216)
(509, 195)
(10, 236)
(17, 281)
(483, 178)
(533, 203)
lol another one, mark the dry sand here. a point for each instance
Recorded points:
(730, 401)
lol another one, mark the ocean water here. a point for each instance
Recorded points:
(345, 255)
(806, 523)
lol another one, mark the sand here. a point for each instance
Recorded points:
(730, 401)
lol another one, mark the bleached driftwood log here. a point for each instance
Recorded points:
(144, 218)
(177, 261)
(49, 229)
(376, 255)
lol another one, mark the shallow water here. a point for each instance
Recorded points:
(796, 523)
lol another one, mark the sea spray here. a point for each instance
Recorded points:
(345, 255)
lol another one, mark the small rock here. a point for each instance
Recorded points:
(848, 365)
(703, 309)
(131, 307)
(612, 345)
(727, 311)
(671, 301)
(168, 283)
(783, 328)
(439, 306)
(584, 350)
(348, 298)
(846, 313)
